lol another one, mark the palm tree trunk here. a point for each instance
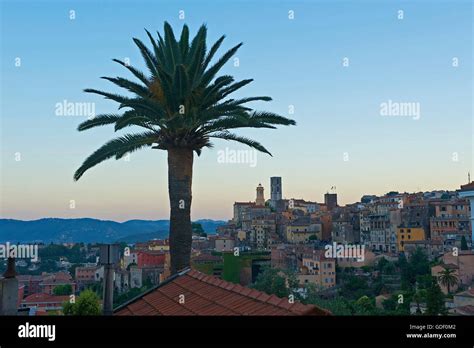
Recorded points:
(180, 174)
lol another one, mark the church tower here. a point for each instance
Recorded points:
(260, 201)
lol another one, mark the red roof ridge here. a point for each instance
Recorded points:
(255, 294)
(40, 296)
(209, 295)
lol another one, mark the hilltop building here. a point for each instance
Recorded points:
(260, 200)
(330, 199)
(275, 188)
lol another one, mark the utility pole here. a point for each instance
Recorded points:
(109, 258)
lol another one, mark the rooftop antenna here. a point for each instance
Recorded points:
(468, 177)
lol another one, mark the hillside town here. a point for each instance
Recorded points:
(377, 256)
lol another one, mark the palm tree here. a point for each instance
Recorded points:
(418, 297)
(447, 278)
(181, 104)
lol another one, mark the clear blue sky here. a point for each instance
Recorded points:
(296, 62)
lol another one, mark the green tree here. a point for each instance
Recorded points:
(87, 303)
(337, 306)
(435, 300)
(274, 281)
(448, 279)
(381, 264)
(198, 230)
(62, 290)
(397, 305)
(464, 243)
(97, 288)
(126, 296)
(364, 306)
(418, 265)
(354, 287)
(389, 269)
(419, 297)
(182, 104)
(390, 304)
(424, 281)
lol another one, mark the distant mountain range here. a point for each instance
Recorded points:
(89, 230)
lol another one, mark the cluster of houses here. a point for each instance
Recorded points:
(144, 264)
(295, 234)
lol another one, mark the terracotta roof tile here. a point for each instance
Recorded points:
(208, 295)
(254, 293)
(274, 300)
(263, 297)
(245, 291)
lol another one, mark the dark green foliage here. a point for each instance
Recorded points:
(120, 299)
(61, 290)
(56, 251)
(198, 230)
(418, 265)
(87, 303)
(97, 288)
(354, 287)
(274, 281)
(448, 278)
(396, 305)
(180, 102)
(435, 300)
(364, 306)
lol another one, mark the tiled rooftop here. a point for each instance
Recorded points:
(44, 298)
(208, 295)
(468, 187)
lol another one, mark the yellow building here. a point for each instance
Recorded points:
(299, 233)
(409, 234)
(317, 270)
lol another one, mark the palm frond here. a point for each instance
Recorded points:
(116, 148)
(213, 51)
(99, 120)
(129, 85)
(137, 73)
(271, 118)
(212, 71)
(247, 141)
(232, 88)
(133, 118)
(148, 57)
(184, 42)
